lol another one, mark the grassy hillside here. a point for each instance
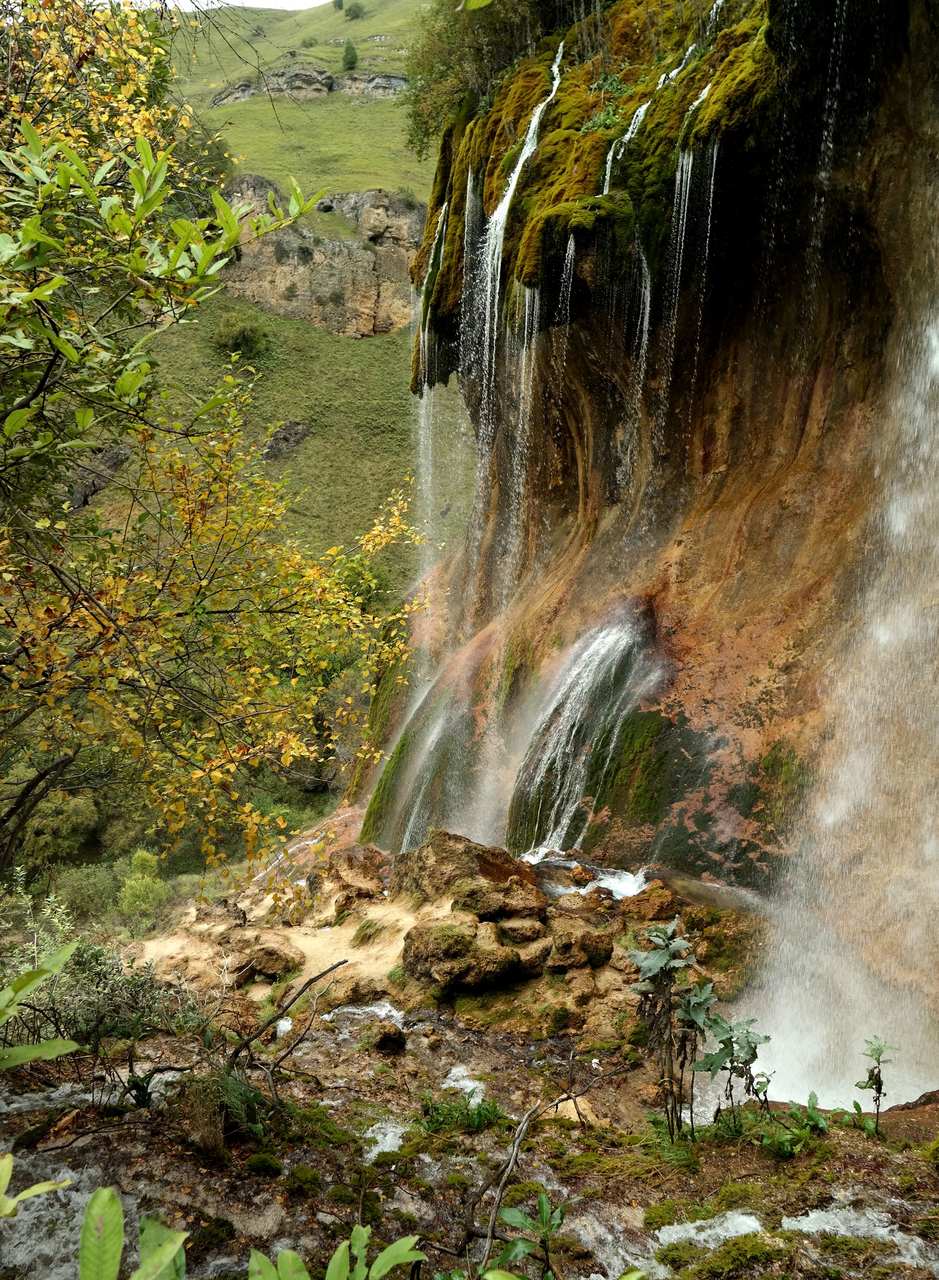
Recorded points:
(239, 37)
(355, 398)
(353, 393)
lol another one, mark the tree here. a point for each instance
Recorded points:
(350, 57)
(168, 636)
(337, 4)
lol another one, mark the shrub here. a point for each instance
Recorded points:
(309, 42)
(144, 863)
(249, 340)
(141, 900)
(350, 57)
(89, 892)
(355, 10)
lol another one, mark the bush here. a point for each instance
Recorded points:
(309, 42)
(89, 892)
(355, 10)
(141, 900)
(350, 57)
(144, 863)
(249, 340)
(97, 997)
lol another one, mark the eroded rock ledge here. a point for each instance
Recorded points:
(358, 285)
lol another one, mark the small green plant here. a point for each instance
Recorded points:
(874, 1050)
(735, 1054)
(350, 57)
(607, 117)
(542, 1229)
(141, 899)
(674, 1018)
(355, 11)
(309, 42)
(440, 1115)
(162, 1255)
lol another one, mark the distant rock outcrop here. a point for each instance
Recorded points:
(303, 81)
(359, 285)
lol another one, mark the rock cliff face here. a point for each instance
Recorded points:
(358, 286)
(304, 81)
(675, 345)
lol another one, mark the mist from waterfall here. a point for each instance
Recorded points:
(855, 950)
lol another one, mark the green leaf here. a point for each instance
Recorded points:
(163, 1258)
(102, 1238)
(44, 1052)
(259, 1268)
(338, 1268)
(396, 1255)
(290, 1266)
(16, 421)
(518, 1218)
(515, 1250)
(475, 4)
(154, 1239)
(33, 140)
(497, 1274)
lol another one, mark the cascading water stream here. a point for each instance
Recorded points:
(676, 259)
(573, 747)
(562, 316)
(479, 355)
(856, 950)
(617, 148)
(491, 276)
(520, 449)
(427, 504)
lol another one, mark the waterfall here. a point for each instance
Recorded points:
(427, 504)
(829, 120)
(637, 381)
(492, 250)
(857, 948)
(520, 448)
(713, 148)
(562, 318)
(484, 285)
(676, 257)
(574, 746)
(617, 148)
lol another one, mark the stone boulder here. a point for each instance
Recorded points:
(446, 862)
(516, 930)
(460, 956)
(577, 945)
(267, 960)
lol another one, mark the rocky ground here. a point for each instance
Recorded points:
(475, 988)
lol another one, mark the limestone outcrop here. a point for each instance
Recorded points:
(303, 81)
(357, 285)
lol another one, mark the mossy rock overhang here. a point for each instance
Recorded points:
(768, 68)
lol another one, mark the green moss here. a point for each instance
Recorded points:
(663, 1214)
(314, 1125)
(739, 1195)
(378, 811)
(303, 1180)
(680, 1254)
(264, 1164)
(738, 1258)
